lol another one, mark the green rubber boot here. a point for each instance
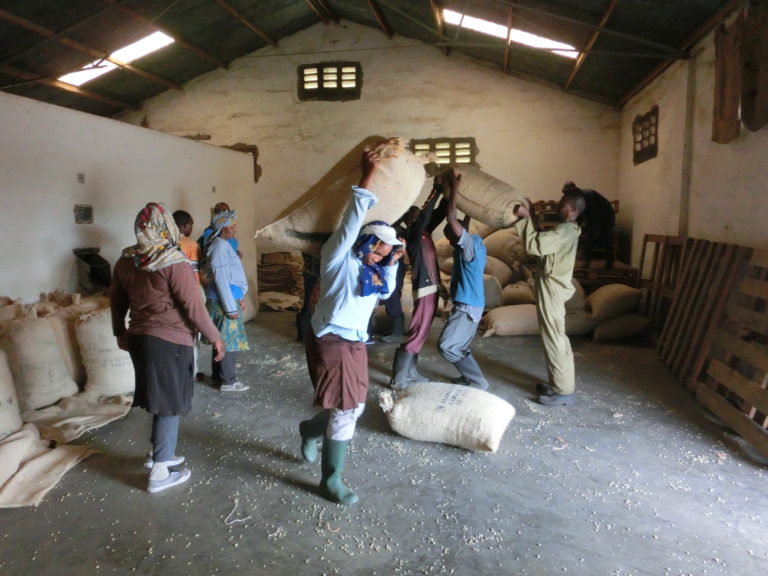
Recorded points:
(332, 486)
(312, 431)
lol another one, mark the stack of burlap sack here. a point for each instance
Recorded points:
(608, 313)
(54, 349)
(281, 283)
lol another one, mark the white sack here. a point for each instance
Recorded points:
(109, 370)
(518, 320)
(517, 293)
(621, 327)
(448, 413)
(613, 300)
(397, 183)
(10, 414)
(486, 198)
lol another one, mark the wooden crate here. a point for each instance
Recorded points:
(732, 371)
(660, 276)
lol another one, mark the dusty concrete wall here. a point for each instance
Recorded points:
(727, 181)
(530, 136)
(124, 167)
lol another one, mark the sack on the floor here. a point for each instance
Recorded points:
(108, 369)
(621, 327)
(579, 322)
(448, 413)
(10, 413)
(37, 364)
(579, 299)
(518, 320)
(492, 291)
(397, 183)
(486, 198)
(613, 300)
(507, 246)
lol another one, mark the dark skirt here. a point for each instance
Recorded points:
(164, 375)
(338, 370)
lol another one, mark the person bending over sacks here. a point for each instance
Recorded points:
(467, 291)
(357, 267)
(425, 279)
(556, 251)
(154, 281)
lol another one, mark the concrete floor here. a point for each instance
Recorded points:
(634, 479)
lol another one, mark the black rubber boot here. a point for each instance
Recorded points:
(312, 431)
(413, 373)
(401, 369)
(397, 330)
(471, 373)
(332, 486)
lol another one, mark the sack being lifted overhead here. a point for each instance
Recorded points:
(486, 198)
(312, 219)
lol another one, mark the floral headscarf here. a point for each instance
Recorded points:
(157, 239)
(372, 235)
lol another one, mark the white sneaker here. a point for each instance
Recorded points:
(172, 479)
(234, 387)
(175, 461)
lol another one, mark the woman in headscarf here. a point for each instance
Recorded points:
(357, 267)
(154, 281)
(225, 298)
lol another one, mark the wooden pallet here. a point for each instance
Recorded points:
(660, 277)
(706, 275)
(732, 372)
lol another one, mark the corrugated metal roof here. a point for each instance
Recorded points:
(628, 41)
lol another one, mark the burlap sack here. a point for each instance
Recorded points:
(444, 252)
(613, 300)
(519, 320)
(517, 293)
(486, 198)
(108, 369)
(491, 291)
(37, 364)
(397, 183)
(448, 413)
(579, 322)
(11, 312)
(621, 327)
(507, 246)
(10, 413)
(497, 268)
(579, 299)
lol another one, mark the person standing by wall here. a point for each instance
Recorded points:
(358, 266)
(155, 283)
(225, 294)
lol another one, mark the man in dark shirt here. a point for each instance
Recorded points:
(598, 224)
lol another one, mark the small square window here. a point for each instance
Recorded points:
(447, 150)
(335, 81)
(645, 142)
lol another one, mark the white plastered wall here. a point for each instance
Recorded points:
(727, 181)
(43, 150)
(530, 136)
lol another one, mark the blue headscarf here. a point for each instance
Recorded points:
(372, 235)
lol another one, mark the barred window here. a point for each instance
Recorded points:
(446, 150)
(330, 81)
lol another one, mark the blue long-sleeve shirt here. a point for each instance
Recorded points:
(341, 308)
(229, 281)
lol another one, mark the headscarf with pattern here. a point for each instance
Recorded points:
(372, 235)
(219, 221)
(157, 239)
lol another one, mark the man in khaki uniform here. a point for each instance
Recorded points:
(556, 249)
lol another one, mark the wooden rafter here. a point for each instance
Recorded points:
(10, 70)
(437, 14)
(247, 23)
(318, 11)
(329, 10)
(510, 21)
(381, 18)
(181, 41)
(590, 43)
(92, 52)
(697, 35)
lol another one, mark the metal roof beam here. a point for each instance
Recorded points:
(179, 39)
(437, 14)
(318, 11)
(92, 52)
(329, 10)
(247, 23)
(10, 70)
(590, 43)
(381, 18)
